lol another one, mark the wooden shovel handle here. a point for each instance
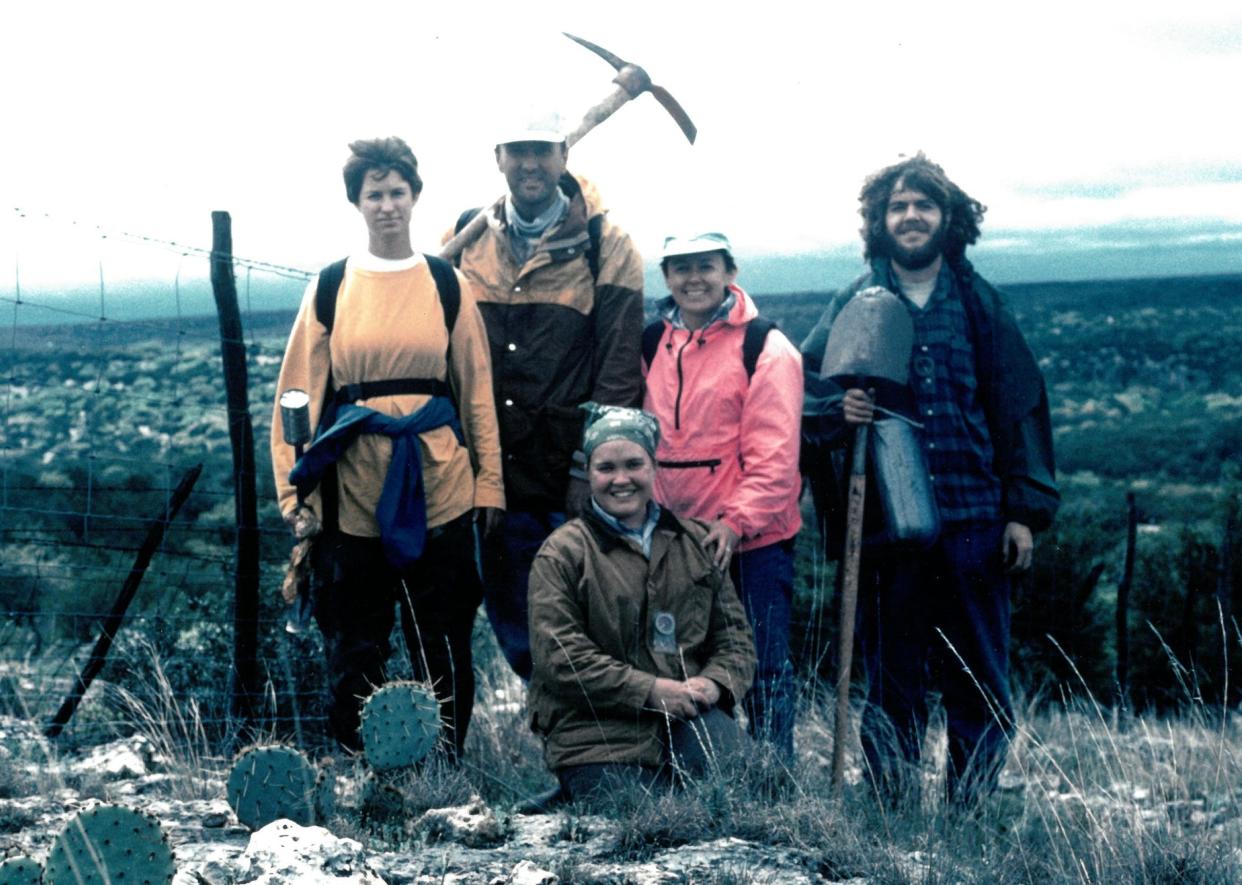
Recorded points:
(849, 601)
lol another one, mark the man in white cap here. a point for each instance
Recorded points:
(560, 290)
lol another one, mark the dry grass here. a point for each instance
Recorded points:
(1086, 796)
(175, 729)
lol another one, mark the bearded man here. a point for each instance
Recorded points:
(939, 618)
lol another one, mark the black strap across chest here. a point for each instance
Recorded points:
(449, 292)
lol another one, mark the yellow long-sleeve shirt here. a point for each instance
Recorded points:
(389, 324)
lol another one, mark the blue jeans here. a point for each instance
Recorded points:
(692, 748)
(958, 588)
(764, 580)
(507, 558)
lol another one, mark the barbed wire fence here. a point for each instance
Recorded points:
(108, 394)
(104, 407)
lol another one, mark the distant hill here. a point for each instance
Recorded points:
(795, 312)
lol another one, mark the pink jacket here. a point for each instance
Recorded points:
(746, 430)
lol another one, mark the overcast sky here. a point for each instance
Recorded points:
(1078, 124)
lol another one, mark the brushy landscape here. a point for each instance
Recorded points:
(1105, 782)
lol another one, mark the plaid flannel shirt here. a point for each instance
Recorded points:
(955, 431)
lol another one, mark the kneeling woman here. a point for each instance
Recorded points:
(641, 647)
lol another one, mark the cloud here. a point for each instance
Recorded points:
(145, 117)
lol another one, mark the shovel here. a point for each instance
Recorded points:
(869, 343)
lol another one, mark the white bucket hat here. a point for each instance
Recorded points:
(691, 244)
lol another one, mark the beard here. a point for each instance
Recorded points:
(918, 258)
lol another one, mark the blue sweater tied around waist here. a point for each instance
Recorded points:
(402, 509)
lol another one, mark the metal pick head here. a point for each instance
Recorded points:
(871, 337)
(617, 63)
(635, 81)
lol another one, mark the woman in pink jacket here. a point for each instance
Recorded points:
(727, 389)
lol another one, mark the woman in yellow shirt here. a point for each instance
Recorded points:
(408, 456)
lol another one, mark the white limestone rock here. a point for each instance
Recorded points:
(474, 825)
(125, 759)
(527, 873)
(284, 852)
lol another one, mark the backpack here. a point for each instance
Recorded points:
(595, 225)
(752, 342)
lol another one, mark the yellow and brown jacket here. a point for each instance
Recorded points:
(558, 337)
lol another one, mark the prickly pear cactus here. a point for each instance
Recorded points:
(270, 783)
(400, 724)
(21, 871)
(108, 844)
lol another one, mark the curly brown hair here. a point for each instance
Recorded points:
(381, 156)
(962, 213)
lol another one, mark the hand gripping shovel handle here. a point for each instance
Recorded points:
(849, 600)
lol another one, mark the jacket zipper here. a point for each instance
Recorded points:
(677, 401)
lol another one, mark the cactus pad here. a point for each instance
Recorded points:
(21, 871)
(107, 844)
(270, 783)
(400, 724)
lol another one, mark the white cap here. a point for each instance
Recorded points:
(546, 126)
(692, 244)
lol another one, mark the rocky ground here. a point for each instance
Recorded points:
(40, 794)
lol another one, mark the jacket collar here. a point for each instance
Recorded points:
(569, 237)
(737, 309)
(609, 539)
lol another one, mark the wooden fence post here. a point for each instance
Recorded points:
(245, 686)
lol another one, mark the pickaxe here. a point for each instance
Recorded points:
(632, 81)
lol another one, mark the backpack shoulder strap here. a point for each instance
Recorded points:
(652, 334)
(330, 279)
(595, 228)
(447, 287)
(753, 341)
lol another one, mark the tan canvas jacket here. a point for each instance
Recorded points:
(593, 602)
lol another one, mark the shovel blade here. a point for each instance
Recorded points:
(871, 337)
